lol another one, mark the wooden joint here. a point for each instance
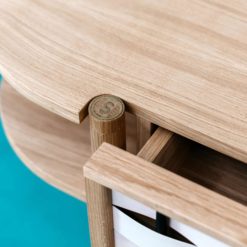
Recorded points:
(107, 124)
(107, 121)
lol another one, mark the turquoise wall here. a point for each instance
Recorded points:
(34, 214)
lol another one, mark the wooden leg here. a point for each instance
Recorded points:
(144, 131)
(107, 124)
(99, 201)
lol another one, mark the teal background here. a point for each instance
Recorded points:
(34, 214)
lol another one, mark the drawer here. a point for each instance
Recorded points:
(201, 191)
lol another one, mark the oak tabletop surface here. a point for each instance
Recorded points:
(181, 64)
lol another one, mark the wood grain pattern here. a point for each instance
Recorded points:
(107, 124)
(107, 121)
(165, 148)
(158, 143)
(181, 64)
(99, 197)
(53, 148)
(144, 130)
(169, 194)
(100, 214)
(37, 141)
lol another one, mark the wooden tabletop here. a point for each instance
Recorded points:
(181, 64)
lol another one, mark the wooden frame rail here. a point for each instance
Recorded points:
(99, 198)
(167, 193)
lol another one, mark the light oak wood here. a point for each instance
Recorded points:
(165, 149)
(46, 130)
(176, 154)
(53, 148)
(107, 124)
(157, 143)
(100, 214)
(107, 121)
(37, 141)
(99, 198)
(144, 131)
(169, 194)
(181, 64)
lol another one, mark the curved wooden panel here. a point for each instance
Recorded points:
(181, 64)
(52, 147)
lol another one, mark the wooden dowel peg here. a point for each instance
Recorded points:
(107, 124)
(107, 121)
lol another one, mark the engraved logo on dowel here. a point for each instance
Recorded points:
(106, 107)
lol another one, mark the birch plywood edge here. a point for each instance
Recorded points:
(181, 64)
(169, 194)
(52, 147)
